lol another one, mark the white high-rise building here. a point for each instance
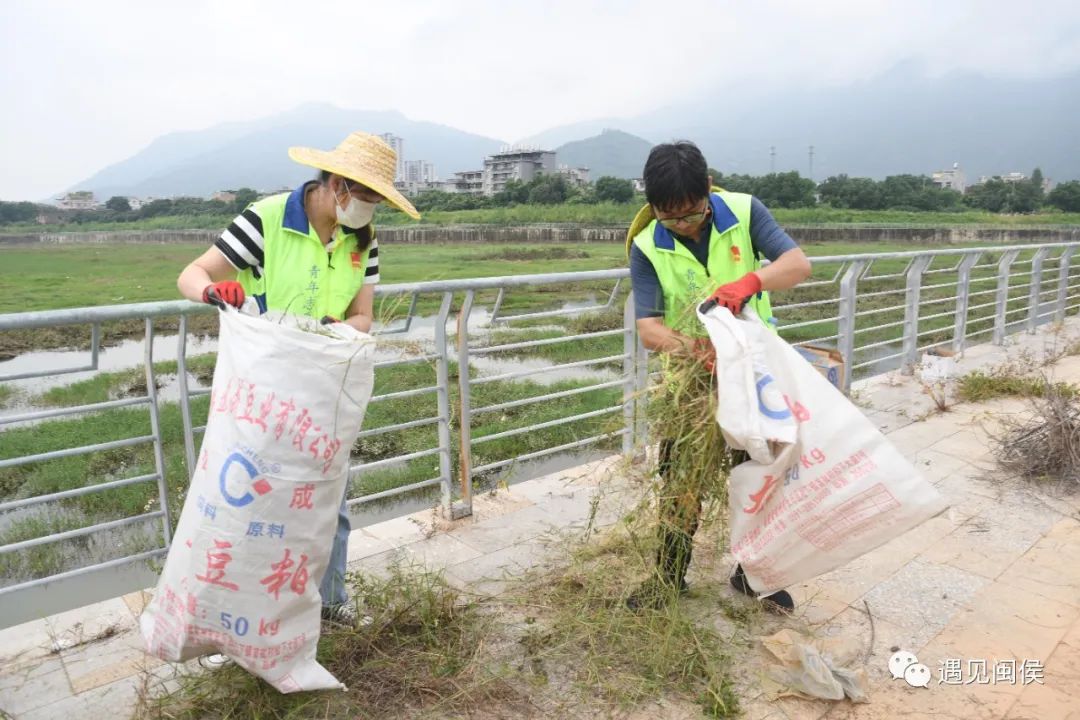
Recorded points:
(397, 144)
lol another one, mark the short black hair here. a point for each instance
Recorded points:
(675, 175)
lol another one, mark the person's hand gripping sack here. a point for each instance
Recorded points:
(734, 295)
(220, 294)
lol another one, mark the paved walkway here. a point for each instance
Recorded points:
(995, 579)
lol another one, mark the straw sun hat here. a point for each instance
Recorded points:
(363, 158)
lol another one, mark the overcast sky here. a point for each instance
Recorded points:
(86, 84)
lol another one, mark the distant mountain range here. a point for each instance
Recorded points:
(898, 122)
(612, 152)
(254, 154)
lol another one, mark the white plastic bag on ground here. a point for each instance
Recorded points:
(807, 504)
(253, 541)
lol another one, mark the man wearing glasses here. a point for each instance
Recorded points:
(693, 242)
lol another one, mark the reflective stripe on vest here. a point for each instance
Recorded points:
(684, 281)
(299, 276)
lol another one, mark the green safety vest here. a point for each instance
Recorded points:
(684, 281)
(298, 274)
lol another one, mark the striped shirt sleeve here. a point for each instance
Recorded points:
(371, 274)
(242, 242)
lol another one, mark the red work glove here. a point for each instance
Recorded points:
(224, 293)
(705, 353)
(735, 294)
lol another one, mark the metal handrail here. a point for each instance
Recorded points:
(1050, 291)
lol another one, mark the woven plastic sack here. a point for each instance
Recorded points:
(253, 540)
(804, 505)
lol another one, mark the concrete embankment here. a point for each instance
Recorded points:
(917, 235)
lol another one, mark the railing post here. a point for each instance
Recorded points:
(912, 296)
(1001, 302)
(629, 375)
(1063, 284)
(1036, 289)
(845, 326)
(963, 290)
(641, 386)
(95, 345)
(463, 508)
(185, 402)
(442, 379)
(155, 429)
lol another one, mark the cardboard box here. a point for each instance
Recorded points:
(827, 361)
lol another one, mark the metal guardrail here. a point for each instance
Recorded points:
(879, 310)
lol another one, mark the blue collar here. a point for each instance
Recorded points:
(296, 218)
(723, 219)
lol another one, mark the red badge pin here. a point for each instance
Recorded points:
(735, 254)
(355, 260)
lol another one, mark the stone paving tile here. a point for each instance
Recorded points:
(1051, 567)
(814, 606)
(106, 661)
(137, 602)
(1043, 702)
(107, 702)
(887, 421)
(935, 466)
(923, 597)
(82, 624)
(982, 546)
(402, 530)
(788, 708)
(855, 626)
(850, 582)
(1004, 622)
(968, 444)
(380, 563)
(918, 436)
(33, 685)
(1063, 666)
(23, 643)
(363, 544)
(501, 532)
(895, 699)
(493, 573)
(441, 550)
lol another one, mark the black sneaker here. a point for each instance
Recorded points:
(779, 602)
(654, 594)
(344, 615)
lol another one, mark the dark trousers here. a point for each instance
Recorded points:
(680, 513)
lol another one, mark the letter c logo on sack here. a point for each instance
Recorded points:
(261, 486)
(782, 414)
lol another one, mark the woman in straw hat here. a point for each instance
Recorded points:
(311, 252)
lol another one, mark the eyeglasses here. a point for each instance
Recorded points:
(691, 219)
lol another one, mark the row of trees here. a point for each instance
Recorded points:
(915, 192)
(541, 190)
(777, 190)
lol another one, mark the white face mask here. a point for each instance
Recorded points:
(356, 213)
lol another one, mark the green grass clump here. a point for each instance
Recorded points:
(579, 631)
(979, 386)
(421, 655)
